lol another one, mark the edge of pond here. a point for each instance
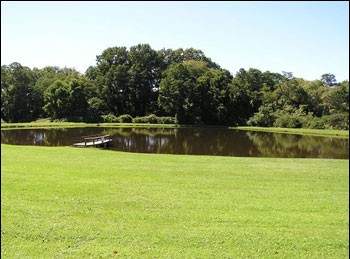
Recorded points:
(313, 132)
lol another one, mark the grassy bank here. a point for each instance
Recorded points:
(315, 132)
(67, 202)
(38, 125)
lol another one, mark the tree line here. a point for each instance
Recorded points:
(182, 85)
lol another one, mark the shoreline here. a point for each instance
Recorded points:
(298, 131)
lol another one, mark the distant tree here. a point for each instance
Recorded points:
(337, 98)
(195, 93)
(271, 80)
(245, 93)
(128, 79)
(144, 79)
(290, 93)
(178, 91)
(81, 90)
(111, 77)
(315, 90)
(169, 56)
(329, 79)
(288, 75)
(18, 95)
(57, 99)
(97, 107)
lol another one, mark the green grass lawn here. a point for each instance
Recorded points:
(70, 202)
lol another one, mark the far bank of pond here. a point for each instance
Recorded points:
(189, 140)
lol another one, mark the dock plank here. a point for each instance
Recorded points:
(99, 141)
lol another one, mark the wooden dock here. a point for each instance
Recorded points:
(94, 141)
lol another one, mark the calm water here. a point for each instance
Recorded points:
(204, 141)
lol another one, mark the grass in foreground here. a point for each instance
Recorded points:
(61, 201)
(316, 132)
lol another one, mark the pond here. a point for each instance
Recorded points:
(198, 141)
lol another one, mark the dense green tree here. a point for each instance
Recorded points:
(195, 93)
(290, 93)
(328, 79)
(128, 79)
(69, 98)
(5, 87)
(245, 94)
(144, 79)
(214, 96)
(81, 91)
(57, 99)
(169, 56)
(287, 75)
(315, 91)
(336, 99)
(18, 95)
(178, 91)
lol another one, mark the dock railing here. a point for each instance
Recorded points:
(94, 139)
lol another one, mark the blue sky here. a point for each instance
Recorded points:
(306, 38)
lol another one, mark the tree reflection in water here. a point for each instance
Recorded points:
(204, 141)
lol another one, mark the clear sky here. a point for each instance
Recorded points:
(306, 38)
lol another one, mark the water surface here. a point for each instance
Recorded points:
(198, 141)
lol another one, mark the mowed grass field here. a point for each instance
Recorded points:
(91, 203)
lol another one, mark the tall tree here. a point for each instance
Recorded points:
(18, 96)
(194, 93)
(144, 80)
(57, 99)
(169, 56)
(287, 75)
(329, 79)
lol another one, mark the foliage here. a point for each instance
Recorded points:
(109, 118)
(265, 117)
(316, 123)
(154, 119)
(166, 120)
(146, 119)
(286, 120)
(337, 121)
(96, 108)
(19, 97)
(183, 84)
(68, 99)
(125, 118)
(195, 93)
(57, 100)
(328, 79)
